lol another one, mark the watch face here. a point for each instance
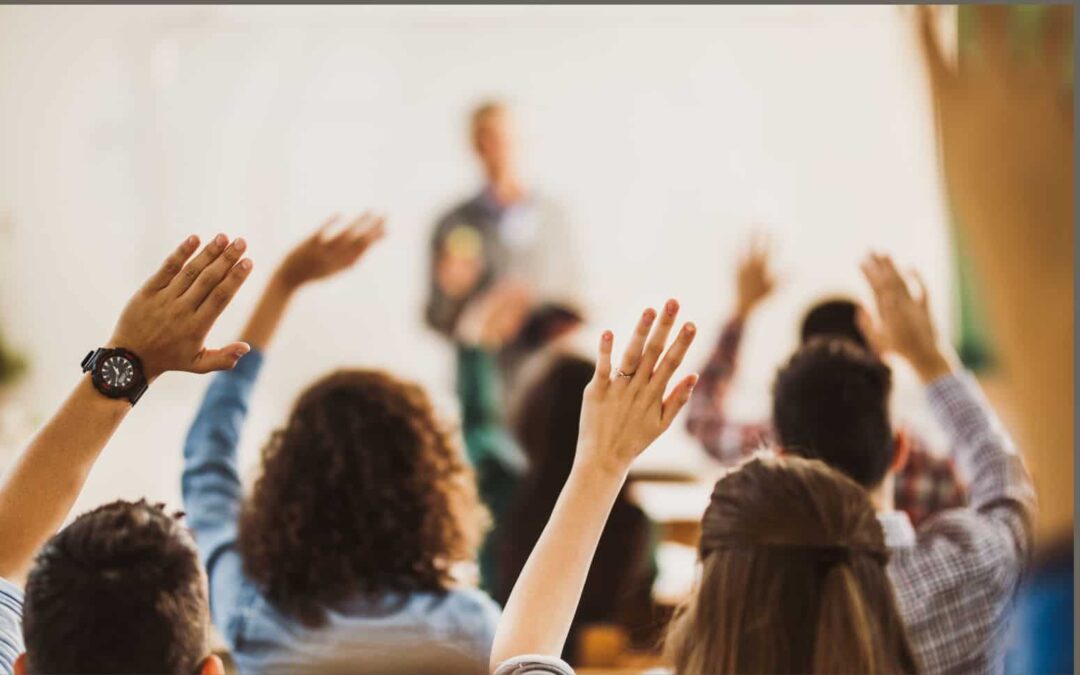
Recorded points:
(117, 372)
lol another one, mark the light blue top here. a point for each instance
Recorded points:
(460, 622)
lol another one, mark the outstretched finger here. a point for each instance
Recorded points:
(673, 358)
(323, 231)
(349, 232)
(678, 398)
(891, 277)
(214, 273)
(225, 358)
(631, 359)
(602, 376)
(187, 276)
(759, 247)
(655, 346)
(940, 74)
(366, 234)
(172, 265)
(219, 297)
(923, 297)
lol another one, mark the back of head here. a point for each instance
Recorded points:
(546, 427)
(547, 424)
(831, 402)
(794, 579)
(120, 590)
(838, 317)
(545, 323)
(363, 492)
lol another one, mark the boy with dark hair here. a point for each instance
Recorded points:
(925, 483)
(119, 590)
(956, 576)
(831, 402)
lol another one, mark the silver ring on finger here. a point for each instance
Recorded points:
(619, 372)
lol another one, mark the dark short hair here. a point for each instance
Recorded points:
(362, 492)
(831, 402)
(120, 590)
(836, 317)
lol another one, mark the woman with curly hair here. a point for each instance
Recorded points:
(346, 551)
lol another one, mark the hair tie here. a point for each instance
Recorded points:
(828, 555)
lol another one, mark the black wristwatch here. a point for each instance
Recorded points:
(116, 373)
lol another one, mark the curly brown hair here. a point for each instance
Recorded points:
(363, 492)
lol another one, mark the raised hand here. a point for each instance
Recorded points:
(1006, 123)
(905, 318)
(754, 279)
(327, 251)
(166, 322)
(494, 318)
(622, 414)
(330, 249)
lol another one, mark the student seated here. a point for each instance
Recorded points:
(119, 590)
(794, 561)
(619, 587)
(360, 519)
(489, 375)
(831, 402)
(923, 485)
(793, 579)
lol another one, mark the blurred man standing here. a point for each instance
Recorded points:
(500, 251)
(504, 276)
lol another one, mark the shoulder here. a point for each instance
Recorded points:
(958, 549)
(465, 211)
(474, 603)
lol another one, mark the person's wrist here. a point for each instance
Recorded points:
(151, 368)
(743, 309)
(600, 464)
(931, 365)
(285, 280)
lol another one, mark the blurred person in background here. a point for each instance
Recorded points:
(485, 395)
(506, 234)
(1004, 112)
(925, 483)
(618, 589)
(499, 261)
(364, 518)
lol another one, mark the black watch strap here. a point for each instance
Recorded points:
(138, 388)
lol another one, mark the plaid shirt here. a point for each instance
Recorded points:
(927, 483)
(955, 585)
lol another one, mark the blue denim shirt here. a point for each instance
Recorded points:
(460, 622)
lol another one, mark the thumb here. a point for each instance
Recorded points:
(210, 360)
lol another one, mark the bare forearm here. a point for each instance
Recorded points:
(48, 476)
(264, 321)
(542, 605)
